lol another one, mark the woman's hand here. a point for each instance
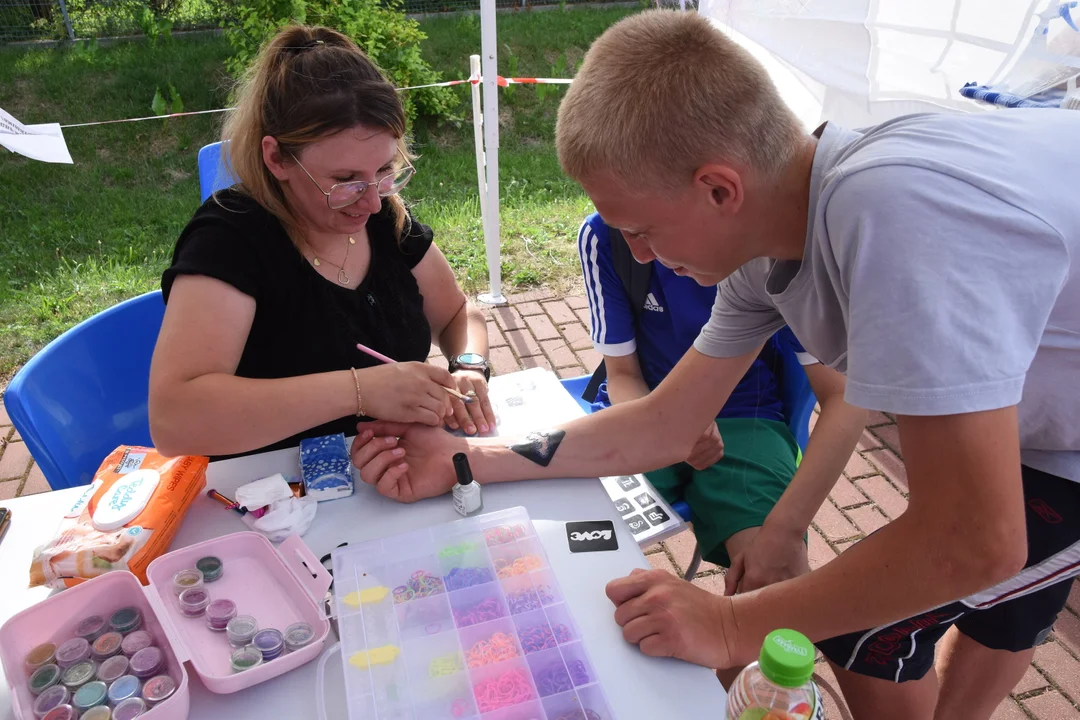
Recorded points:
(478, 413)
(411, 392)
(406, 462)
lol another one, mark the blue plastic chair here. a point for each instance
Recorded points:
(795, 393)
(86, 392)
(214, 173)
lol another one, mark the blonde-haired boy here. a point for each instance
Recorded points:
(935, 259)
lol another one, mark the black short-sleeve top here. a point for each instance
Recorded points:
(304, 323)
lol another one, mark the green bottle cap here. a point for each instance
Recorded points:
(787, 658)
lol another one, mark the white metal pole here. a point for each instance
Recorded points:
(490, 68)
(478, 133)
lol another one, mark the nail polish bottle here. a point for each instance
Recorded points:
(467, 500)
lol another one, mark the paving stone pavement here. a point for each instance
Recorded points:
(540, 328)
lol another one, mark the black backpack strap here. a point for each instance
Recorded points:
(635, 279)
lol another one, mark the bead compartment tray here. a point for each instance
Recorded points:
(458, 622)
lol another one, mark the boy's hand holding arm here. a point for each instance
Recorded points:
(777, 553)
(625, 382)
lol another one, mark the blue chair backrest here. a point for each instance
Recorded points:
(86, 392)
(214, 173)
(795, 391)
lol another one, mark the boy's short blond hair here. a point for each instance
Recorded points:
(663, 92)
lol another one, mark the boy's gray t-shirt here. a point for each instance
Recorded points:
(941, 273)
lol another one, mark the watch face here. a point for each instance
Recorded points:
(470, 359)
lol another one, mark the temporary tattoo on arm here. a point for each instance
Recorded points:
(539, 447)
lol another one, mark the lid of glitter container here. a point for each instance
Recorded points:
(79, 674)
(147, 662)
(246, 658)
(43, 654)
(107, 645)
(112, 669)
(158, 689)
(101, 712)
(211, 568)
(53, 697)
(90, 695)
(91, 628)
(136, 641)
(44, 678)
(126, 620)
(61, 712)
(268, 641)
(73, 651)
(298, 635)
(129, 709)
(123, 688)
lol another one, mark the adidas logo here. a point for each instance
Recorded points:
(651, 304)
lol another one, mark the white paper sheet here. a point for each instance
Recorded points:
(44, 142)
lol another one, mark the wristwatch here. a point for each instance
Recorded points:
(471, 361)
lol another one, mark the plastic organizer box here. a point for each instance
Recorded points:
(463, 620)
(278, 587)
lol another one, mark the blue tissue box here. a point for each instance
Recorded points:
(325, 467)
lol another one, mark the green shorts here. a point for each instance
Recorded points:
(760, 457)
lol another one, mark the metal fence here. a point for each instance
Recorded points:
(22, 20)
(70, 19)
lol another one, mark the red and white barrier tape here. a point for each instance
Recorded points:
(502, 82)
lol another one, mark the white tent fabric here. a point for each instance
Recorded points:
(865, 61)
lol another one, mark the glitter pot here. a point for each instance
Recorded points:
(124, 688)
(126, 620)
(193, 601)
(61, 712)
(54, 697)
(73, 651)
(44, 678)
(219, 613)
(44, 654)
(91, 628)
(112, 669)
(129, 709)
(211, 567)
(89, 695)
(158, 689)
(101, 712)
(135, 642)
(246, 658)
(298, 635)
(269, 642)
(147, 662)
(186, 579)
(79, 674)
(241, 630)
(106, 646)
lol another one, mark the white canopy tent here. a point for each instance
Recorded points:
(866, 61)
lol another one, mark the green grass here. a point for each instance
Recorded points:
(77, 239)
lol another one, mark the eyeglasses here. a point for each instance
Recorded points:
(344, 194)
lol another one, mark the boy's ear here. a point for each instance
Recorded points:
(723, 186)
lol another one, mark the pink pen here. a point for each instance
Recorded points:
(382, 358)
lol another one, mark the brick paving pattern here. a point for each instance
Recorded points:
(541, 329)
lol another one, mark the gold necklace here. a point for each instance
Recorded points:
(342, 276)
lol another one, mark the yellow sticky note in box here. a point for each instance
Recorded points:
(367, 596)
(364, 659)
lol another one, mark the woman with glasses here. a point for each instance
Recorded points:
(276, 280)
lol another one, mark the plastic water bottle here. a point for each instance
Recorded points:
(778, 685)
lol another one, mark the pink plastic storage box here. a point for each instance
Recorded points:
(279, 587)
